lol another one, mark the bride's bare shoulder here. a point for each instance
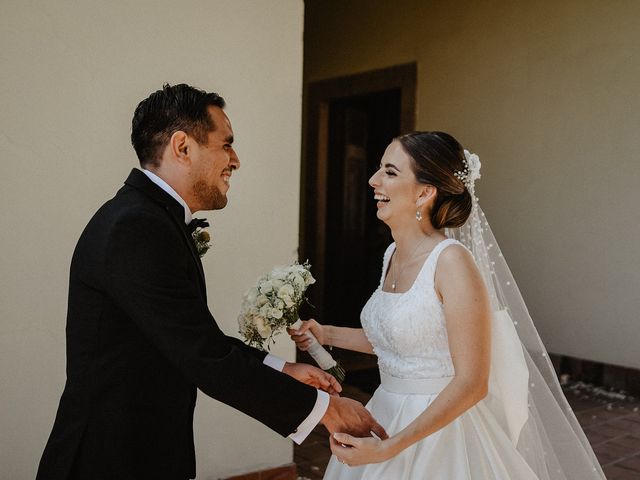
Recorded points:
(455, 256)
(456, 267)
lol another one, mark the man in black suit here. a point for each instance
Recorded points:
(140, 338)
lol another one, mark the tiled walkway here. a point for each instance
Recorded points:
(612, 424)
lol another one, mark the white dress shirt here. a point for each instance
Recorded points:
(277, 363)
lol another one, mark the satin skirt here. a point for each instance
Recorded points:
(472, 447)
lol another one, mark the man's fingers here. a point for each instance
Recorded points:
(325, 383)
(335, 384)
(330, 379)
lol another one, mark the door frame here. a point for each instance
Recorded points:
(315, 142)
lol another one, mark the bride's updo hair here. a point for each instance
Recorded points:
(436, 156)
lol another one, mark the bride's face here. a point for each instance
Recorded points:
(395, 186)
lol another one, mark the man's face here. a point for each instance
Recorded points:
(213, 164)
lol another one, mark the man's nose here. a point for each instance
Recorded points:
(234, 161)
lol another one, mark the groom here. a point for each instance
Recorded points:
(140, 338)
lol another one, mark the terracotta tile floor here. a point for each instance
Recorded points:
(611, 424)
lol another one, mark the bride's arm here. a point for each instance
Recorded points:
(341, 337)
(467, 313)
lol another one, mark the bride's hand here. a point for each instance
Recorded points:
(299, 336)
(313, 376)
(359, 451)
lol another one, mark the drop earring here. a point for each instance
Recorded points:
(418, 215)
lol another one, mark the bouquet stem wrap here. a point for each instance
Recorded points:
(323, 358)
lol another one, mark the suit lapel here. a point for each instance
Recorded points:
(194, 252)
(140, 181)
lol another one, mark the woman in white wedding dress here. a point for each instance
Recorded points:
(467, 391)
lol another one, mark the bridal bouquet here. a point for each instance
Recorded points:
(272, 306)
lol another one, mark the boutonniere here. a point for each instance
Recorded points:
(201, 237)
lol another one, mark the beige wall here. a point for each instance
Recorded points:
(72, 74)
(547, 94)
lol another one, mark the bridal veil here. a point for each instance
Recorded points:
(524, 393)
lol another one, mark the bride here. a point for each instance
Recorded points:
(467, 390)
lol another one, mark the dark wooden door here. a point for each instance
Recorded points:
(348, 123)
(360, 128)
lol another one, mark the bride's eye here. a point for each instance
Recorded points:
(391, 173)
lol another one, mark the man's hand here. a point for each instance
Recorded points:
(345, 415)
(313, 376)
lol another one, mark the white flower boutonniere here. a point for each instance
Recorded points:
(201, 237)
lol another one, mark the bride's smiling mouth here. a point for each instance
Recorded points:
(381, 199)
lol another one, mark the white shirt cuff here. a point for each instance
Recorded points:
(313, 419)
(274, 362)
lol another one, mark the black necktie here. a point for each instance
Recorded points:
(197, 223)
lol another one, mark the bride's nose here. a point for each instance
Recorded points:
(373, 181)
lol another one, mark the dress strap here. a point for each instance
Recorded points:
(428, 273)
(385, 262)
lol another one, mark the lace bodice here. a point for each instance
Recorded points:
(407, 330)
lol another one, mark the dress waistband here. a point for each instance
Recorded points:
(421, 386)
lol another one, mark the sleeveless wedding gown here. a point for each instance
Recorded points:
(409, 336)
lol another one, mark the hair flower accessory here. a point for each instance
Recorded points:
(473, 163)
(471, 171)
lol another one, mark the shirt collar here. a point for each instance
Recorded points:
(167, 188)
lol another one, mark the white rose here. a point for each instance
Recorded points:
(276, 313)
(279, 273)
(286, 291)
(266, 287)
(264, 310)
(288, 301)
(309, 280)
(261, 300)
(298, 281)
(263, 328)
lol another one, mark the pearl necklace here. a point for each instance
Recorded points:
(393, 270)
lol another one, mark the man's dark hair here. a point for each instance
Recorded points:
(164, 112)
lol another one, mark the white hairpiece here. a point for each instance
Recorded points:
(471, 171)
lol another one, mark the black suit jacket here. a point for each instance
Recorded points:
(140, 340)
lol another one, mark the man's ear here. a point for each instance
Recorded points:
(427, 195)
(179, 146)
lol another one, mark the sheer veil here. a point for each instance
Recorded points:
(524, 393)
